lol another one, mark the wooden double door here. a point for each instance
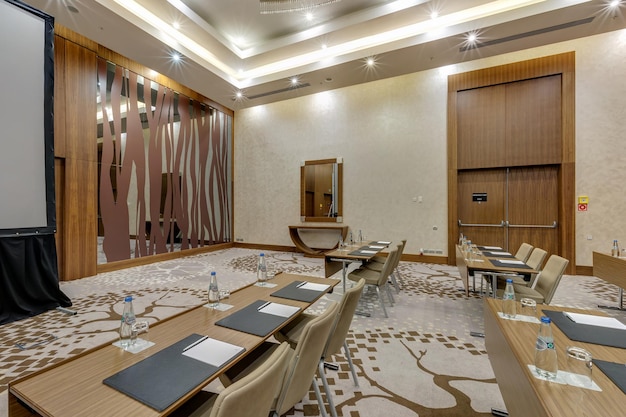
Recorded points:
(508, 206)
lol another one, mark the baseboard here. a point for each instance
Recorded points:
(584, 270)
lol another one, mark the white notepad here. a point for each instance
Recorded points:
(596, 320)
(368, 251)
(277, 309)
(500, 253)
(376, 247)
(505, 261)
(313, 286)
(492, 247)
(212, 351)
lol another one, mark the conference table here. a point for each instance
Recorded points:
(75, 387)
(338, 259)
(611, 269)
(511, 348)
(490, 261)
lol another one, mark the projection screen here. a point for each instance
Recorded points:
(27, 204)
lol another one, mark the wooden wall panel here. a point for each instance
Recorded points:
(59, 97)
(79, 190)
(59, 181)
(563, 64)
(533, 121)
(481, 127)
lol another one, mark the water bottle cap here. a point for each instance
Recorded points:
(509, 280)
(128, 299)
(545, 319)
(262, 254)
(212, 272)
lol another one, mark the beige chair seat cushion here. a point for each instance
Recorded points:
(292, 332)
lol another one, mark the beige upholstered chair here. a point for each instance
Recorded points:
(292, 333)
(545, 284)
(262, 385)
(378, 279)
(524, 252)
(377, 262)
(300, 374)
(535, 261)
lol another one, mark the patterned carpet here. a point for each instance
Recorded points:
(421, 361)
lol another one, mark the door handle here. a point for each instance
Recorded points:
(536, 226)
(461, 224)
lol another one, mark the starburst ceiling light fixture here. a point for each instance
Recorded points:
(286, 6)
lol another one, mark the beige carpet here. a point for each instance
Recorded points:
(421, 361)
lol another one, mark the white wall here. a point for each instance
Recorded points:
(392, 137)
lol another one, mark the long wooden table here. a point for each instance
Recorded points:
(483, 263)
(338, 260)
(613, 270)
(511, 347)
(74, 387)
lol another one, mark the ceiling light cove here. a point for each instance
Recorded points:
(270, 70)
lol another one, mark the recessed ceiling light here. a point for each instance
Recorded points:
(294, 80)
(614, 3)
(309, 16)
(370, 61)
(176, 25)
(434, 14)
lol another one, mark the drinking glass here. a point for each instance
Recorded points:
(529, 307)
(579, 365)
(137, 328)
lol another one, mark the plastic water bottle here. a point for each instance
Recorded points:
(214, 292)
(615, 249)
(545, 353)
(508, 300)
(261, 270)
(126, 325)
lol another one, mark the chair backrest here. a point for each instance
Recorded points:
(388, 266)
(535, 261)
(550, 276)
(347, 307)
(524, 252)
(262, 385)
(305, 359)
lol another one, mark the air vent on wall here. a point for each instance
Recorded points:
(282, 90)
(527, 34)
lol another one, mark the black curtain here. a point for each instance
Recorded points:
(29, 277)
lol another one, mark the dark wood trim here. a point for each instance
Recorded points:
(584, 270)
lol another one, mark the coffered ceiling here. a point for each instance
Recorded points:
(227, 47)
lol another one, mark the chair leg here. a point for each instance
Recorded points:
(400, 278)
(381, 301)
(329, 395)
(392, 278)
(318, 395)
(349, 357)
(392, 300)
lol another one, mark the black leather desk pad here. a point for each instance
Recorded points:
(161, 379)
(615, 371)
(497, 263)
(292, 292)
(250, 320)
(489, 254)
(587, 333)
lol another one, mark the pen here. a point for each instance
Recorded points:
(202, 339)
(301, 284)
(264, 305)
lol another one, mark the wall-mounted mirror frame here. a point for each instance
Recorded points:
(321, 190)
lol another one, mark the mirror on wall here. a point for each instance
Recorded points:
(321, 190)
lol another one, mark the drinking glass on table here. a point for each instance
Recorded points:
(579, 365)
(529, 307)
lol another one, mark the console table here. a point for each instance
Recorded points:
(294, 233)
